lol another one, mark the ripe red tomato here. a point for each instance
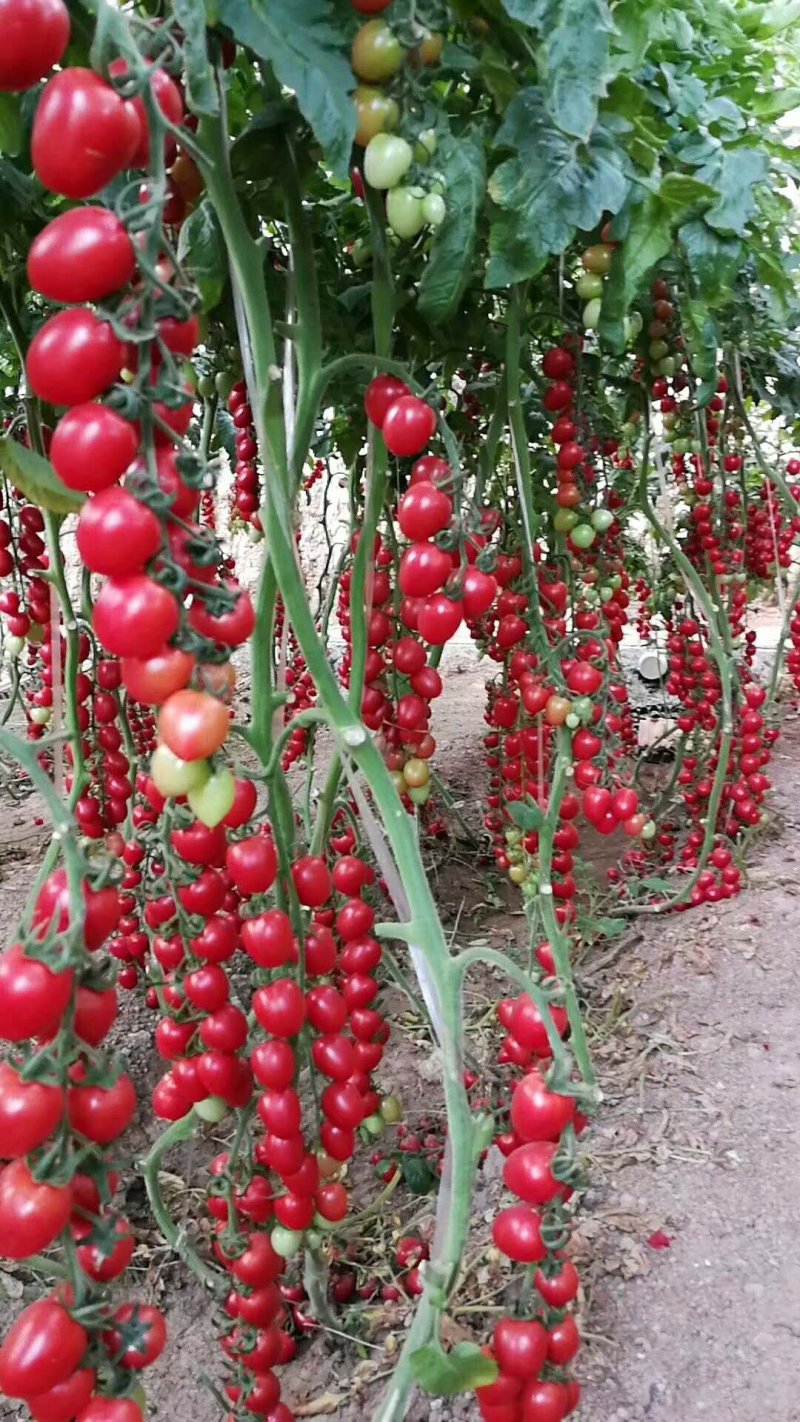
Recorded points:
(408, 425)
(380, 394)
(35, 35)
(134, 616)
(527, 1173)
(83, 134)
(245, 797)
(42, 1348)
(517, 1232)
(152, 680)
(543, 1402)
(230, 628)
(73, 357)
(564, 1340)
(92, 447)
(280, 1007)
(193, 724)
(105, 1266)
(558, 1289)
(520, 1346)
(64, 1401)
(116, 534)
(439, 619)
(252, 864)
(331, 1201)
(33, 999)
(335, 1056)
(370, 7)
(538, 1114)
(167, 96)
(268, 938)
(101, 1113)
(424, 569)
(83, 255)
(312, 881)
(95, 1014)
(111, 1409)
(29, 1112)
(423, 511)
(31, 1215)
(150, 1321)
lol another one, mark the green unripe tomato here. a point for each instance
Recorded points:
(426, 145)
(434, 209)
(376, 53)
(286, 1242)
(360, 253)
(606, 594)
(14, 646)
(40, 715)
(206, 387)
(254, 535)
(657, 350)
(583, 536)
(667, 366)
(583, 706)
(572, 722)
(405, 213)
(591, 315)
(518, 873)
(513, 835)
(212, 800)
(224, 381)
(530, 890)
(635, 324)
(213, 1109)
(387, 159)
(374, 1125)
(418, 794)
(564, 520)
(589, 286)
(391, 1110)
(649, 830)
(174, 776)
(615, 582)
(602, 520)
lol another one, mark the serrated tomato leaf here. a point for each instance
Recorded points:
(448, 270)
(463, 1369)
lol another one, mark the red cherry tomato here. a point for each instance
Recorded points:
(83, 255)
(32, 1215)
(193, 724)
(92, 447)
(408, 425)
(73, 357)
(116, 534)
(134, 616)
(83, 134)
(42, 1349)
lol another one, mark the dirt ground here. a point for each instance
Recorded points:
(687, 1233)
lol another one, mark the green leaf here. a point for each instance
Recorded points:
(201, 250)
(417, 1174)
(578, 68)
(647, 232)
(702, 337)
(714, 261)
(447, 272)
(735, 173)
(10, 125)
(526, 814)
(532, 13)
(201, 91)
(37, 479)
(463, 1369)
(305, 48)
(775, 104)
(550, 188)
(609, 927)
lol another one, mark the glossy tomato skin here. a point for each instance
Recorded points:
(29, 1112)
(73, 358)
(408, 426)
(35, 35)
(312, 881)
(33, 999)
(538, 1114)
(101, 1113)
(64, 1401)
(116, 534)
(167, 96)
(83, 134)
(380, 394)
(92, 447)
(32, 1215)
(517, 1233)
(151, 1320)
(230, 628)
(83, 255)
(134, 616)
(152, 680)
(520, 1346)
(42, 1348)
(193, 724)
(111, 1409)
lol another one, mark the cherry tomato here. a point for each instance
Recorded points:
(168, 97)
(134, 617)
(376, 112)
(147, 1319)
(42, 1349)
(229, 628)
(152, 680)
(29, 1112)
(35, 35)
(408, 426)
(376, 52)
(538, 1114)
(380, 394)
(73, 357)
(312, 881)
(252, 864)
(101, 1113)
(268, 938)
(116, 534)
(83, 255)
(520, 1346)
(32, 1215)
(33, 999)
(64, 1401)
(193, 724)
(83, 134)
(111, 1409)
(92, 447)
(104, 1266)
(517, 1232)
